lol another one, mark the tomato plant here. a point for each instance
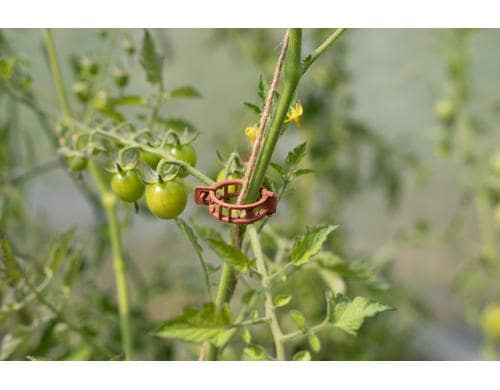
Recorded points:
(291, 286)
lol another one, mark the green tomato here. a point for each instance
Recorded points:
(490, 321)
(233, 175)
(183, 152)
(445, 110)
(77, 163)
(89, 66)
(82, 91)
(149, 158)
(166, 200)
(101, 100)
(128, 46)
(120, 77)
(128, 186)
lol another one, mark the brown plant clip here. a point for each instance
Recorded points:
(216, 197)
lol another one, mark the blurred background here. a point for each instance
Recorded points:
(401, 128)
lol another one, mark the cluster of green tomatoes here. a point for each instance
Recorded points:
(165, 196)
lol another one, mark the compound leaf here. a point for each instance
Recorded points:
(310, 244)
(198, 325)
(349, 315)
(150, 60)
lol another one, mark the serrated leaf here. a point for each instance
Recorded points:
(198, 325)
(177, 124)
(131, 100)
(184, 92)
(295, 156)
(349, 315)
(206, 232)
(302, 356)
(58, 251)
(13, 270)
(255, 352)
(253, 107)
(186, 229)
(314, 342)
(301, 172)
(299, 319)
(150, 60)
(189, 233)
(230, 254)
(282, 300)
(278, 168)
(310, 244)
(263, 88)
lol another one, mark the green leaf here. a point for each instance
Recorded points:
(310, 244)
(150, 60)
(12, 268)
(281, 170)
(282, 300)
(252, 107)
(349, 315)
(131, 100)
(314, 342)
(186, 229)
(246, 336)
(255, 352)
(230, 254)
(198, 325)
(300, 172)
(302, 356)
(295, 156)
(7, 65)
(299, 319)
(263, 88)
(185, 92)
(206, 232)
(177, 124)
(58, 251)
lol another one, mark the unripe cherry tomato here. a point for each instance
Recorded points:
(183, 152)
(89, 66)
(233, 175)
(127, 185)
(166, 200)
(120, 77)
(77, 163)
(82, 91)
(490, 321)
(149, 158)
(445, 110)
(100, 100)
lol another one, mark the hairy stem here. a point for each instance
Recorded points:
(269, 303)
(308, 61)
(294, 70)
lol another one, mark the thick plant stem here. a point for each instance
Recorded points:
(269, 303)
(293, 71)
(109, 203)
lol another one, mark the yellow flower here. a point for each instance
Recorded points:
(251, 133)
(294, 114)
